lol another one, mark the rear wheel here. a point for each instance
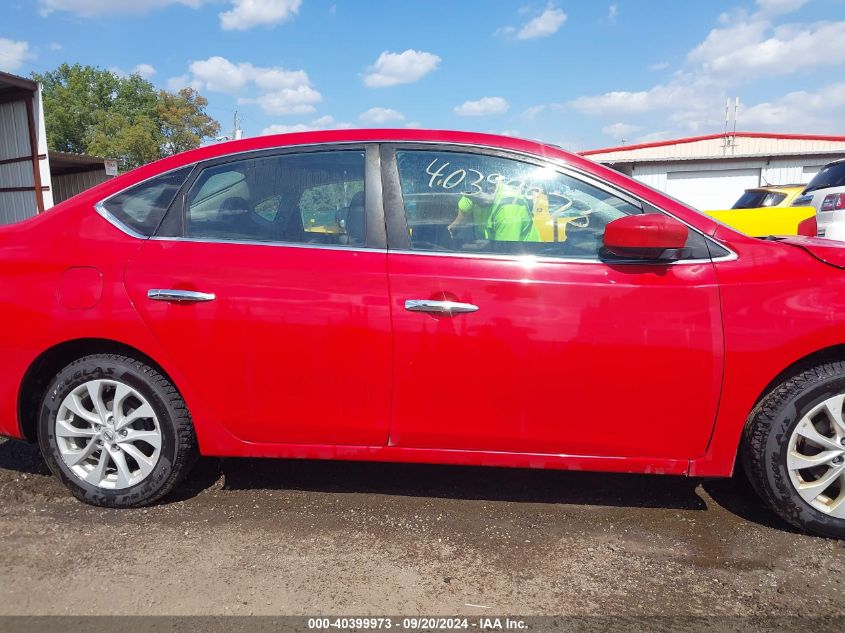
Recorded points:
(794, 450)
(115, 431)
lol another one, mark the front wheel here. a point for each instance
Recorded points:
(115, 431)
(794, 450)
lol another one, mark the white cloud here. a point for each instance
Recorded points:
(55, 46)
(658, 66)
(652, 137)
(246, 14)
(281, 128)
(94, 8)
(326, 122)
(218, 74)
(381, 115)
(147, 71)
(281, 91)
(620, 130)
(175, 84)
(612, 12)
(391, 69)
(676, 93)
(532, 112)
(758, 48)
(242, 14)
(483, 107)
(777, 7)
(743, 49)
(543, 25)
(800, 111)
(13, 54)
(299, 100)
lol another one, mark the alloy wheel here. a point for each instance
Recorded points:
(108, 435)
(816, 457)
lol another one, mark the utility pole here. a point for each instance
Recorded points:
(729, 140)
(237, 132)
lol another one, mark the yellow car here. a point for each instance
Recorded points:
(769, 196)
(765, 211)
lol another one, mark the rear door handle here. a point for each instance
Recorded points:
(439, 307)
(179, 296)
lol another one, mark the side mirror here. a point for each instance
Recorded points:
(647, 236)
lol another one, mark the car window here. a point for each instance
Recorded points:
(143, 206)
(312, 198)
(330, 208)
(832, 175)
(465, 202)
(756, 198)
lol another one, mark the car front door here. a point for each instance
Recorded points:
(267, 286)
(513, 335)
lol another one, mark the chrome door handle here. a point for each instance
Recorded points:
(180, 296)
(439, 307)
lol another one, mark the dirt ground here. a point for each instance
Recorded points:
(301, 537)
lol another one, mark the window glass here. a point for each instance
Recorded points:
(480, 203)
(755, 198)
(143, 206)
(313, 198)
(832, 175)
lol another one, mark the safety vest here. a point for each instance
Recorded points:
(511, 218)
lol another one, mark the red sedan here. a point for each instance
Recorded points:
(418, 296)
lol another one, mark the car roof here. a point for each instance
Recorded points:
(389, 135)
(401, 135)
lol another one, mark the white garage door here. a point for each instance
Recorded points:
(712, 188)
(809, 172)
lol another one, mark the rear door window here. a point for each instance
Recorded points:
(311, 198)
(142, 207)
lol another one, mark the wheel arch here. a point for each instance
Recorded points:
(44, 368)
(825, 355)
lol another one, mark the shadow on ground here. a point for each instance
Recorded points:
(450, 482)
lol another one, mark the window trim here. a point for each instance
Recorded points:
(374, 227)
(397, 228)
(384, 182)
(100, 207)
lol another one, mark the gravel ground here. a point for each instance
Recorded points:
(302, 537)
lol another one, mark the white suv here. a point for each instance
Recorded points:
(826, 192)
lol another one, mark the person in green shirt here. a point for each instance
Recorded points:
(504, 216)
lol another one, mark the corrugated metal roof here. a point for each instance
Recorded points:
(740, 145)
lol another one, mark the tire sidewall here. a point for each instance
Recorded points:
(777, 443)
(78, 374)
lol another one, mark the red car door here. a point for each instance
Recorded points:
(512, 334)
(267, 286)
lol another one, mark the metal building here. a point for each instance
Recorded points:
(710, 172)
(24, 167)
(74, 173)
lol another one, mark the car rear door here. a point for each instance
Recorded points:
(539, 346)
(267, 286)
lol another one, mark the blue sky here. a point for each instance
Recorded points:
(579, 73)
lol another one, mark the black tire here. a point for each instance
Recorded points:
(178, 451)
(766, 439)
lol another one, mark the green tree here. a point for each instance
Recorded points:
(89, 110)
(133, 142)
(73, 95)
(184, 122)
